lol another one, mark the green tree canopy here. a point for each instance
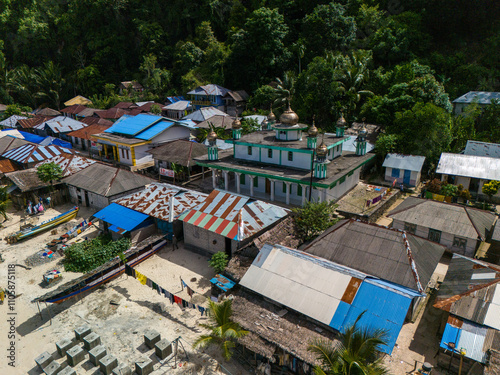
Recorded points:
(312, 219)
(49, 172)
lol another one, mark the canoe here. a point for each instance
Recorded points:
(46, 225)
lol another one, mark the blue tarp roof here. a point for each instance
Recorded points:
(154, 130)
(134, 125)
(121, 218)
(385, 309)
(222, 282)
(174, 99)
(44, 141)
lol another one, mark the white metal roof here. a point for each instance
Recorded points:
(408, 162)
(477, 148)
(62, 124)
(481, 167)
(181, 105)
(492, 315)
(300, 281)
(12, 120)
(482, 97)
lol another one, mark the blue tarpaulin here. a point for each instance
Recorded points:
(222, 282)
(121, 218)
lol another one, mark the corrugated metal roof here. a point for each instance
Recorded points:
(468, 336)
(180, 105)
(408, 162)
(133, 125)
(78, 100)
(11, 121)
(233, 216)
(154, 130)
(30, 153)
(450, 218)
(121, 217)
(173, 99)
(209, 89)
(477, 148)
(13, 133)
(482, 97)
(61, 124)
(70, 164)
(204, 114)
(314, 287)
(156, 198)
(482, 167)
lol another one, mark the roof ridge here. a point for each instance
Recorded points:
(111, 182)
(473, 224)
(411, 262)
(445, 304)
(421, 200)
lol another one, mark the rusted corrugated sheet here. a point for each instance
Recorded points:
(69, 163)
(155, 200)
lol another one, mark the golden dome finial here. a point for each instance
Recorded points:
(289, 117)
(313, 130)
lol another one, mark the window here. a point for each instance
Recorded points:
(459, 242)
(395, 172)
(290, 156)
(342, 179)
(270, 153)
(434, 235)
(338, 148)
(242, 179)
(249, 150)
(256, 182)
(128, 156)
(123, 152)
(410, 228)
(299, 190)
(284, 187)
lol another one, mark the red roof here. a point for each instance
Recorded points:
(147, 106)
(85, 133)
(112, 113)
(74, 109)
(125, 105)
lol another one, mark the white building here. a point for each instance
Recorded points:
(405, 169)
(483, 98)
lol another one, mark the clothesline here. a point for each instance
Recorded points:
(160, 290)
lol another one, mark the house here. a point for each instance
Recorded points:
(173, 99)
(73, 110)
(129, 139)
(405, 169)
(58, 127)
(82, 138)
(98, 185)
(219, 121)
(164, 203)
(477, 148)
(11, 122)
(471, 171)
(226, 221)
(277, 163)
(29, 123)
(112, 113)
(180, 152)
(208, 96)
(482, 98)
(460, 228)
(30, 154)
(81, 100)
(204, 114)
(46, 111)
(130, 87)
(235, 102)
(178, 109)
(329, 293)
(470, 299)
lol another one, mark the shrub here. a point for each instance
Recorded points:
(218, 261)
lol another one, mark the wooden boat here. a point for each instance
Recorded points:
(104, 273)
(46, 225)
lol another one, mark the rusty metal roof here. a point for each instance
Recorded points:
(31, 153)
(69, 163)
(61, 124)
(87, 132)
(234, 216)
(155, 200)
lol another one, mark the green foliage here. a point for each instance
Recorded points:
(312, 219)
(434, 186)
(219, 261)
(449, 190)
(223, 332)
(4, 202)
(49, 172)
(491, 188)
(88, 255)
(14, 109)
(386, 144)
(356, 355)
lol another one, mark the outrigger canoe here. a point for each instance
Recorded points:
(46, 225)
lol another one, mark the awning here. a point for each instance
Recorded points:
(122, 219)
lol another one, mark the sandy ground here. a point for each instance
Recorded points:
(355, 200)
(121, 325)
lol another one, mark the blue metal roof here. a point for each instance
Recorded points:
(385, 309)
(154, 130)
(470, 336)
(134, 125)
(174, 99)
(222, 282)
(450, 334)
(121, 217)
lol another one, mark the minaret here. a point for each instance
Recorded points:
(236, 128)
(213, 151)
(312, 138)
(321, 162)
(271, 119)
(361, 141)
(341, 125)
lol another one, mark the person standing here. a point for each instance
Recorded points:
(174, 242)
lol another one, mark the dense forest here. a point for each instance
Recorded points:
(394, 62)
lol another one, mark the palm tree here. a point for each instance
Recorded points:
(223, 331)
(356, 354)
(50, 83)
(285, 89)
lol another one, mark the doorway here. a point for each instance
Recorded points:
(268, 186)
(87, 203)
(406, 178)
(228, 247)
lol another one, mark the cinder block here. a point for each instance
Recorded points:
(75, 355)
(151, 337)
(52, 368)
(43, 360)
(163, 348)
(122, 369)
(144, 366)
(91, 341)
(82, 331)
(107, 364)
(67, 371)
(63, 345)
(96, 354)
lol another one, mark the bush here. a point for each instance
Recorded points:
(88, 255)
(313, 218)
(218, 261)
(449, 190)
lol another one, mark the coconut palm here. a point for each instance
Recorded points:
(285, 89)
(356, 354)
(223, 331)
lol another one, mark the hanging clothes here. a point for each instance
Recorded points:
(149, 283)
(178, 300)
(190, 291)
(142, 279)
(129, 270)
(201, 309)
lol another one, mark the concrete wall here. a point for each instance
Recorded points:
(172, 133)
(342, 188)
(299, 160)
(143, 233)
(202, 240)
(124, 156)
(140, 154)
(446, 239)
(94, 200)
